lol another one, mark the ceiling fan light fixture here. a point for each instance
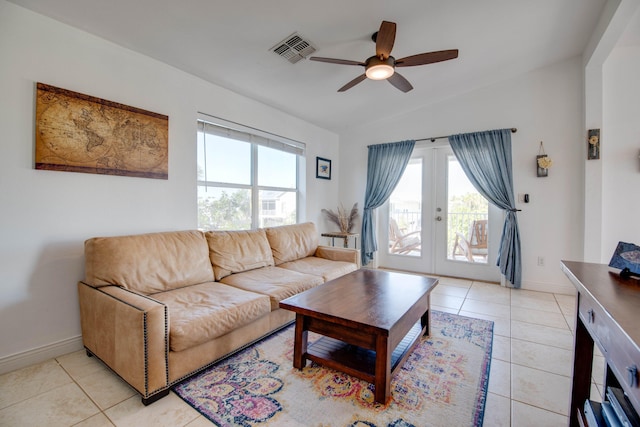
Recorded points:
(380, 72)
(379, 69)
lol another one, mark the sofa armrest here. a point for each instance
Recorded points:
(129, 333)
(339, 254)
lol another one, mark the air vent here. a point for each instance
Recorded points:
(293, 48)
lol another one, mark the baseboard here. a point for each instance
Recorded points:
(39, 355)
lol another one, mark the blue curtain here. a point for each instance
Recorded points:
(485, 158)
(385, 166)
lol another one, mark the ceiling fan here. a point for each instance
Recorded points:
(382, 65)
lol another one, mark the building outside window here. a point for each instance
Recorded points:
(246, 180)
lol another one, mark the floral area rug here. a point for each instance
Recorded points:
(443, 383)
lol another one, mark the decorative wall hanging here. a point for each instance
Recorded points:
(81, 133)
(593, 144)
(323, 168)
(543, 162)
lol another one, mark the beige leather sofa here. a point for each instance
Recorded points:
(157, 308)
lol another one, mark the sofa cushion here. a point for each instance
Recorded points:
(277, 283)
(148, 263)
(324, 268)
(237, 251)
(200, 313)
(292, 242)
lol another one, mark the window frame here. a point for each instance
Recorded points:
(256, 138)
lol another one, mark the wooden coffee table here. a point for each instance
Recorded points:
(370, 321)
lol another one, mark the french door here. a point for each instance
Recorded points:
(436, 222)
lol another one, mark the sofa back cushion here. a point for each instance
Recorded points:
(148, 263)
(237, 251)
(292, 242)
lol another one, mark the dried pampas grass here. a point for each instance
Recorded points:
(346, 221)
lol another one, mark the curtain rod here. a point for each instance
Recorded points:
(433, 138)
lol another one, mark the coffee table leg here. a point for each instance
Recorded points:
(300, 343)
(425, 322)
(383, 370)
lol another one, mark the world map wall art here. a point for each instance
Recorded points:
(81, 133)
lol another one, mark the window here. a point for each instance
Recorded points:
(268, 206)
(245, 180)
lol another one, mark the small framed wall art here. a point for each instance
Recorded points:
(323, 168)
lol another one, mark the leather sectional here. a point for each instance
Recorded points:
(157, 308)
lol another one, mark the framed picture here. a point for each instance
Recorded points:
(323, 168)
(82, 133)
(627, 258)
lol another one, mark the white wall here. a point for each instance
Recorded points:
(545, 105)
(620, 150)
(618, 20)
(45, 216)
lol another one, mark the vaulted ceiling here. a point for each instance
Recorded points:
(229, 44)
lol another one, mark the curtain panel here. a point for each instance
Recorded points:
(385, 166)
(485, 157)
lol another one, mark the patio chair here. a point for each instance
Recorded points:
(400, 243)
(476, 245)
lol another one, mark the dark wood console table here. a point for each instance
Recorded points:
(608, 314)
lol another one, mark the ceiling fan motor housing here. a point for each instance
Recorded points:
(379, 68)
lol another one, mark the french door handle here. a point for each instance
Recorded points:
(438, 218)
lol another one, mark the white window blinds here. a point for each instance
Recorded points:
(243, 133)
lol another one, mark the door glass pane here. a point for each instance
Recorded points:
(277, 208)
(405, 212)
(224, 208)
(467, 217)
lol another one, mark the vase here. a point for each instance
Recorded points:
(541, 172)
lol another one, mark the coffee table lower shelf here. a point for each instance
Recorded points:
(357, 361)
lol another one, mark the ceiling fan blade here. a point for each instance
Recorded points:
(336, 61)
(400, 82)
(385, 39)
(427, 58)
(352, 83)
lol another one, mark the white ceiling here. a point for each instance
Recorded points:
(228, 43)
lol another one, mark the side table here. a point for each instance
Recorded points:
(344, 236)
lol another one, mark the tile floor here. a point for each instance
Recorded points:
(529, 383)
